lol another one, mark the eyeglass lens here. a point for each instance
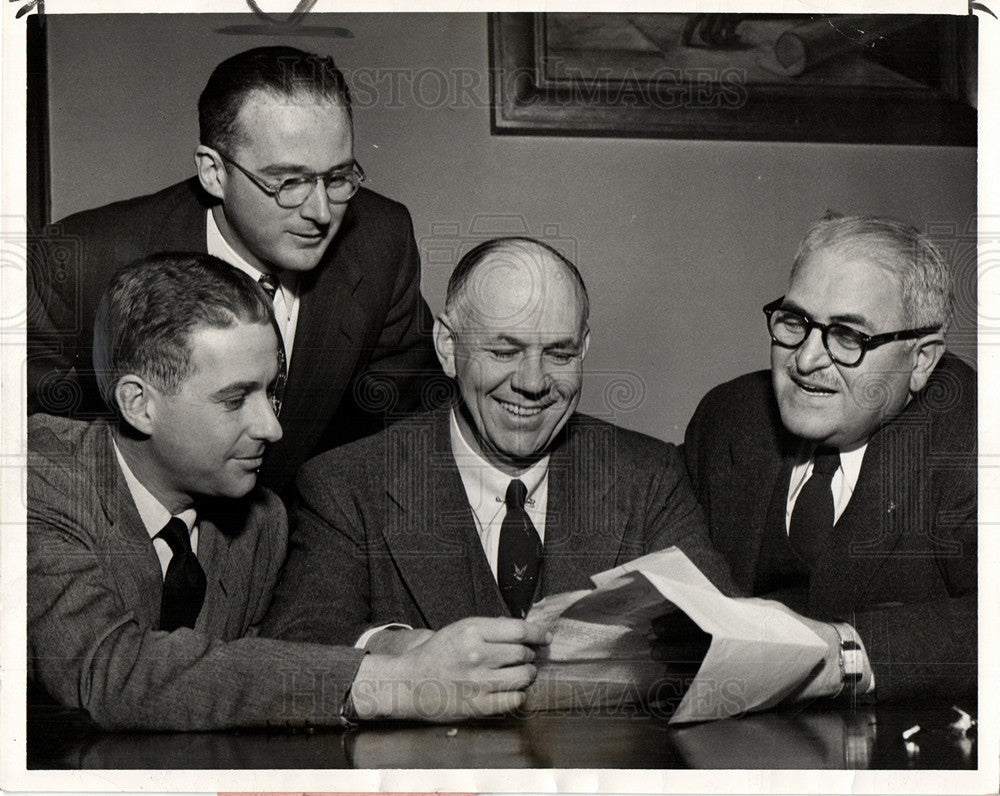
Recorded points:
(339, 188)
(843, 343)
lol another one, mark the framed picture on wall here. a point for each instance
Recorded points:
(890, 79)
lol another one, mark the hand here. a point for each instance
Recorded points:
(474, 667)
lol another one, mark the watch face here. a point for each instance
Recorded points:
(854, 665)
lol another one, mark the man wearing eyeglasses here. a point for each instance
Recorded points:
(278, 195)
(843, 482)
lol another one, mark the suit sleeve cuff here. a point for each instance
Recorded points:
(371, 632)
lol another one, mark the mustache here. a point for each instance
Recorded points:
(815, 380)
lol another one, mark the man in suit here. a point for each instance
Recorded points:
(278, 195)
(843, 482)
(152, 554)
(506, 497)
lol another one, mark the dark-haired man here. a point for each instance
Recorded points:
(152, 555)
(278, 196)
(843, 481)
(506, 497)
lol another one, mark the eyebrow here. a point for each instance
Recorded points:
(234, 389)
(566, 342)
(279, 169)
(849, 317)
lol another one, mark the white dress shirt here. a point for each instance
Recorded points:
(486, 488)
(286, 300)
(154, 515)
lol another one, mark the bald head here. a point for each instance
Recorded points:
(522, 274)
(514, 335)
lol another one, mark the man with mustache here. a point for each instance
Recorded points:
(278, 194)
(843, 482)
(152, 552)
(506, 497)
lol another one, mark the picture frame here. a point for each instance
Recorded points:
(887, 79)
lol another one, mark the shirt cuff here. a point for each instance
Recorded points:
(367, 636)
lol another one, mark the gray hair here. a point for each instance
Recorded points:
(924, 275)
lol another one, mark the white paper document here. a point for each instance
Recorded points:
(758, 653)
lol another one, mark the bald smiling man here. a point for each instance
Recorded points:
(486, 506)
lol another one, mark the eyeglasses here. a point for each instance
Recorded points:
(293, 192)
(846, 346)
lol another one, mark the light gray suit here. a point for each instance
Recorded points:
(94, 585)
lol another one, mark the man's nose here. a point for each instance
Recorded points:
(265, 422)
(317, 207)
(530, 377)
(812, 355)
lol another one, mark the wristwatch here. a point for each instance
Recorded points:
(852, 659)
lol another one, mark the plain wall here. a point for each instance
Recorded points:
(680, 242)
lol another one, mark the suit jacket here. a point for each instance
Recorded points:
(94, 585)
(362, 346)
(900, 565)
(384, 531)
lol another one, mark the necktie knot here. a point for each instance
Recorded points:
(176, 534)
(517, 493)
(826, 460)
(270, 285)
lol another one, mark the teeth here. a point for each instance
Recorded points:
(520, 411)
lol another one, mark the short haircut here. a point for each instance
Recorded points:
(924, 275)
(467, 265)
(146, 316)
(281, 71)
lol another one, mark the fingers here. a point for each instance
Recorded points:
(502, 629)
(510, 678)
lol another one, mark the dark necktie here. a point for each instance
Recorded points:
(520, 555)
(812, 517)
(184, 583)
(270, 285)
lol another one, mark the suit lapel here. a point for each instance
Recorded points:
(127, 549)
(584, 528)
(886, 495)
(759, 459)
(328, 338)
(429, 523)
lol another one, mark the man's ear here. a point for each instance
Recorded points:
(586, 344)
(136, 402)
(926, 354)
(211, 171)
(444, 344)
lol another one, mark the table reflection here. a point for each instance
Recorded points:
(815, 737)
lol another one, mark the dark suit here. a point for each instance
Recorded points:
(362, 346)
(900, 565)
(94, 584)
(384, 531)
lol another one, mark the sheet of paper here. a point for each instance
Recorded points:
(758, 654)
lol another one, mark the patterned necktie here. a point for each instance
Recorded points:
(812, 517)
(270, 285)
(520, 555)
(184, 583)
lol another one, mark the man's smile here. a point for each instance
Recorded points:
(521, 411)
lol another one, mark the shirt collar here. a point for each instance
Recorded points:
(154, 515)
(219, 247)
(483, 482)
